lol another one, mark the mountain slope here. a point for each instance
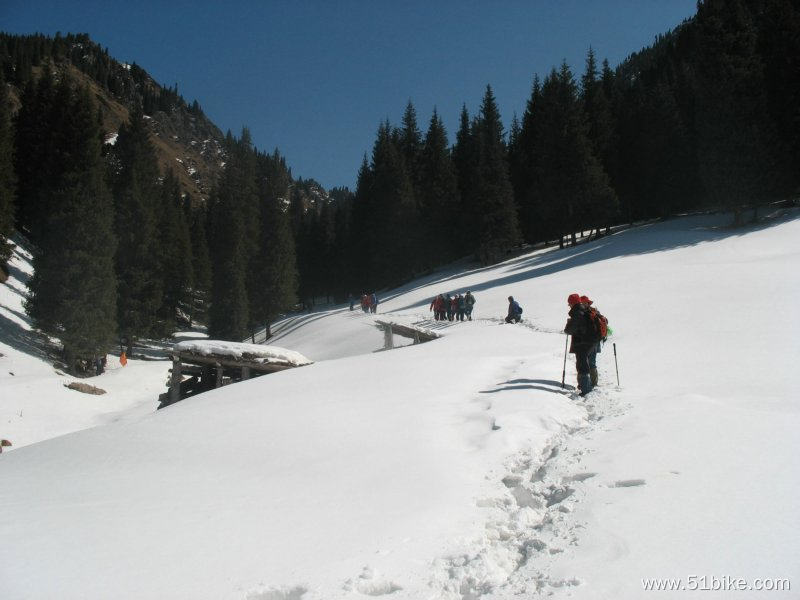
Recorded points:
(186, 141)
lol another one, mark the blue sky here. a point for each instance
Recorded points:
(314, 79)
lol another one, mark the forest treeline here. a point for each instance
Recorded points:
(708, 116)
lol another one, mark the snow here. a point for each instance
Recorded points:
(111, 139)
(453, 469)
(237, 351)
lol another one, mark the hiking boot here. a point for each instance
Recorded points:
(584, 383)
(593, 375)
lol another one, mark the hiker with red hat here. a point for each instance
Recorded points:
(600, 328)
(579, 328)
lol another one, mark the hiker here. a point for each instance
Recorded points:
(514, 311)
(352, 300)
(578, 328)
(599, 332)
(448, 307)
(364, 303)
(440, 309)
(460, 307)
(373, 303)
(4, 272)
(454, 307)
(469, 302)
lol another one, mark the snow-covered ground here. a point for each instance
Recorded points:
(454, 469)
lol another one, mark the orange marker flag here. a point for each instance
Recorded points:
(123, 360)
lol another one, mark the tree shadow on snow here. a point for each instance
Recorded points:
(14, 335)
(666, 235)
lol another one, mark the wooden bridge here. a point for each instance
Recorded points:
(418, 334)
(211, 364)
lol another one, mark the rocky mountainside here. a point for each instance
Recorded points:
(185, 139)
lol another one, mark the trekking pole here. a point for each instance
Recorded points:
(616, 366)
(564, 370)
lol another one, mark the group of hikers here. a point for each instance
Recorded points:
(369, 302)
(588, 329)
(453, 308)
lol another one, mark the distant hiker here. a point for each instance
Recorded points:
(438, 308)
(514, 311)
(373, 303)
(578, 327)
(364, 303)
(448, 307)
(469, 302)
(123, 359)
(4, 272)
(453, 307)
(599, 329)
(460, 307)
(100, 365)
(352, 300)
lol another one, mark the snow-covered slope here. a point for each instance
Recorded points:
(457, 468)
(35, 405)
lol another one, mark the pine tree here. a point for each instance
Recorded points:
(411, 145)
(736, 139)
(176, 257)
(7, 175)
(465, 159)
(201, 265)
(394, 219)
(134, 176)
(572, 189)
(439, 198)
(73, 286)
(597, 107)
(234, 224)
(524, 168)
(37, 160)
(497, 213)
(276, 280)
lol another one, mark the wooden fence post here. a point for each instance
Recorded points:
(175, 381)
(388, 338)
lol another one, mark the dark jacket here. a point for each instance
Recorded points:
(579, 328)
(513, 309)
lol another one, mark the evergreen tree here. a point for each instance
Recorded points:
(411, 145)
(37, 162)
(598, 111)
(360, 235)
(439, 198)
(276, 281)
(524, 168)
(232, 223)
(73, 286)
(572, 188)
(176, 258)
(201, 265)
(134, 176)
(497, 214)
(465, 160)
(7, 176)
(394, 220)
(736, 138)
